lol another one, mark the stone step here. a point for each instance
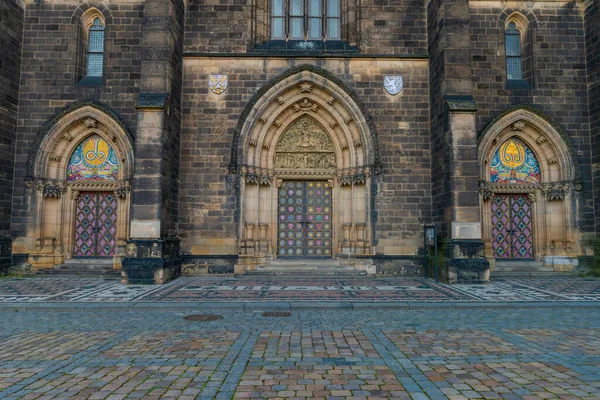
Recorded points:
(538, 274)
(512, 263)
(81, 273)
(305, 273)
(516, 268)
(304, 268)
(87, 262)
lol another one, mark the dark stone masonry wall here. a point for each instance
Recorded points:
(559, 81)
(50, 75)
(592, 41)
(11, 35)
(208, 192)
(376, 27)
(439, 118)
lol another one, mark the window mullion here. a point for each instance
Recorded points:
(306, 19)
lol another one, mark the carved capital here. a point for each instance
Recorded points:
(122, 192)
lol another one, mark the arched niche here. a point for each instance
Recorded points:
(56, 183)
(542, 185)
(332, 120)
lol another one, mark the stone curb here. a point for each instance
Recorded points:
(286, 306)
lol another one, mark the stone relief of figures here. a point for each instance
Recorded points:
(305, 145)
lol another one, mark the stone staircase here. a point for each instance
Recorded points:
(84, 268)
(509, 269)
(311, 268)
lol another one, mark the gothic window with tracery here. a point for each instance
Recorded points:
(95, 50)
(306, 19)
(93, 159)
(514, 56)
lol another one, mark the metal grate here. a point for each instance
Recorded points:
(277, 314)
(203, 317)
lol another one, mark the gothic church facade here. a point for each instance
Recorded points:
(200, 136)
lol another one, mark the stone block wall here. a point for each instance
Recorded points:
(592, 42)
(209, 203)
(558, 81)
(49, 75)
(11, 36)
(376, 27)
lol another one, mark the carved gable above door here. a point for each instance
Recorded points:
(305, 145)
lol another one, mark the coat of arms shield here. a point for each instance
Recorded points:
(393, 84)
(217, 83)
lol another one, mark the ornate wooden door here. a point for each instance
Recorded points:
(304, 220)
(512, 231)
(95, 225)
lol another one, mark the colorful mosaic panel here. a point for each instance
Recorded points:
(512, 226)
(304, 228)
(95, 225)
(93, 159)
(514, 162)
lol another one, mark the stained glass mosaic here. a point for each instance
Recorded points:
(514, 162)
(304, 226)
(93, 159)
(512, 234)
(95, 225)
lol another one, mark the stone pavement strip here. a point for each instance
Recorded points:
(89, 348)
(231, 290)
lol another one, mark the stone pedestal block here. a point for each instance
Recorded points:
(463, 261)
(151, 261)
(5, 254)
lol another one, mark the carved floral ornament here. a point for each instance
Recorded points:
(552, 190)
(55, 187)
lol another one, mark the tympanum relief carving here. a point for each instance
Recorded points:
(305, 146)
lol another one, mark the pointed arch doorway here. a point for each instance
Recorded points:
(78, 185)
(307, 158)
(529, 181)
(304, 227)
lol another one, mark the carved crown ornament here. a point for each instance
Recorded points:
(305, 105)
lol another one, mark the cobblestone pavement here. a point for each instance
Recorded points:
(227, 289)
(485, 353)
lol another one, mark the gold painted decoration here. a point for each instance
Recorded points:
(93, 159)
(514, 162)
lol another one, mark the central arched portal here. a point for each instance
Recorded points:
(307, 156)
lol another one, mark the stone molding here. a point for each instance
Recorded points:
(540, 121)
(552, 190)
(87, 110)
(265, 177)
(236, 151)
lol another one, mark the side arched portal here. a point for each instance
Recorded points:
(529, 176)
(306, 154)
(79, 178)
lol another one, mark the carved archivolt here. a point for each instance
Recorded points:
(66, 133)
(301, 125)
